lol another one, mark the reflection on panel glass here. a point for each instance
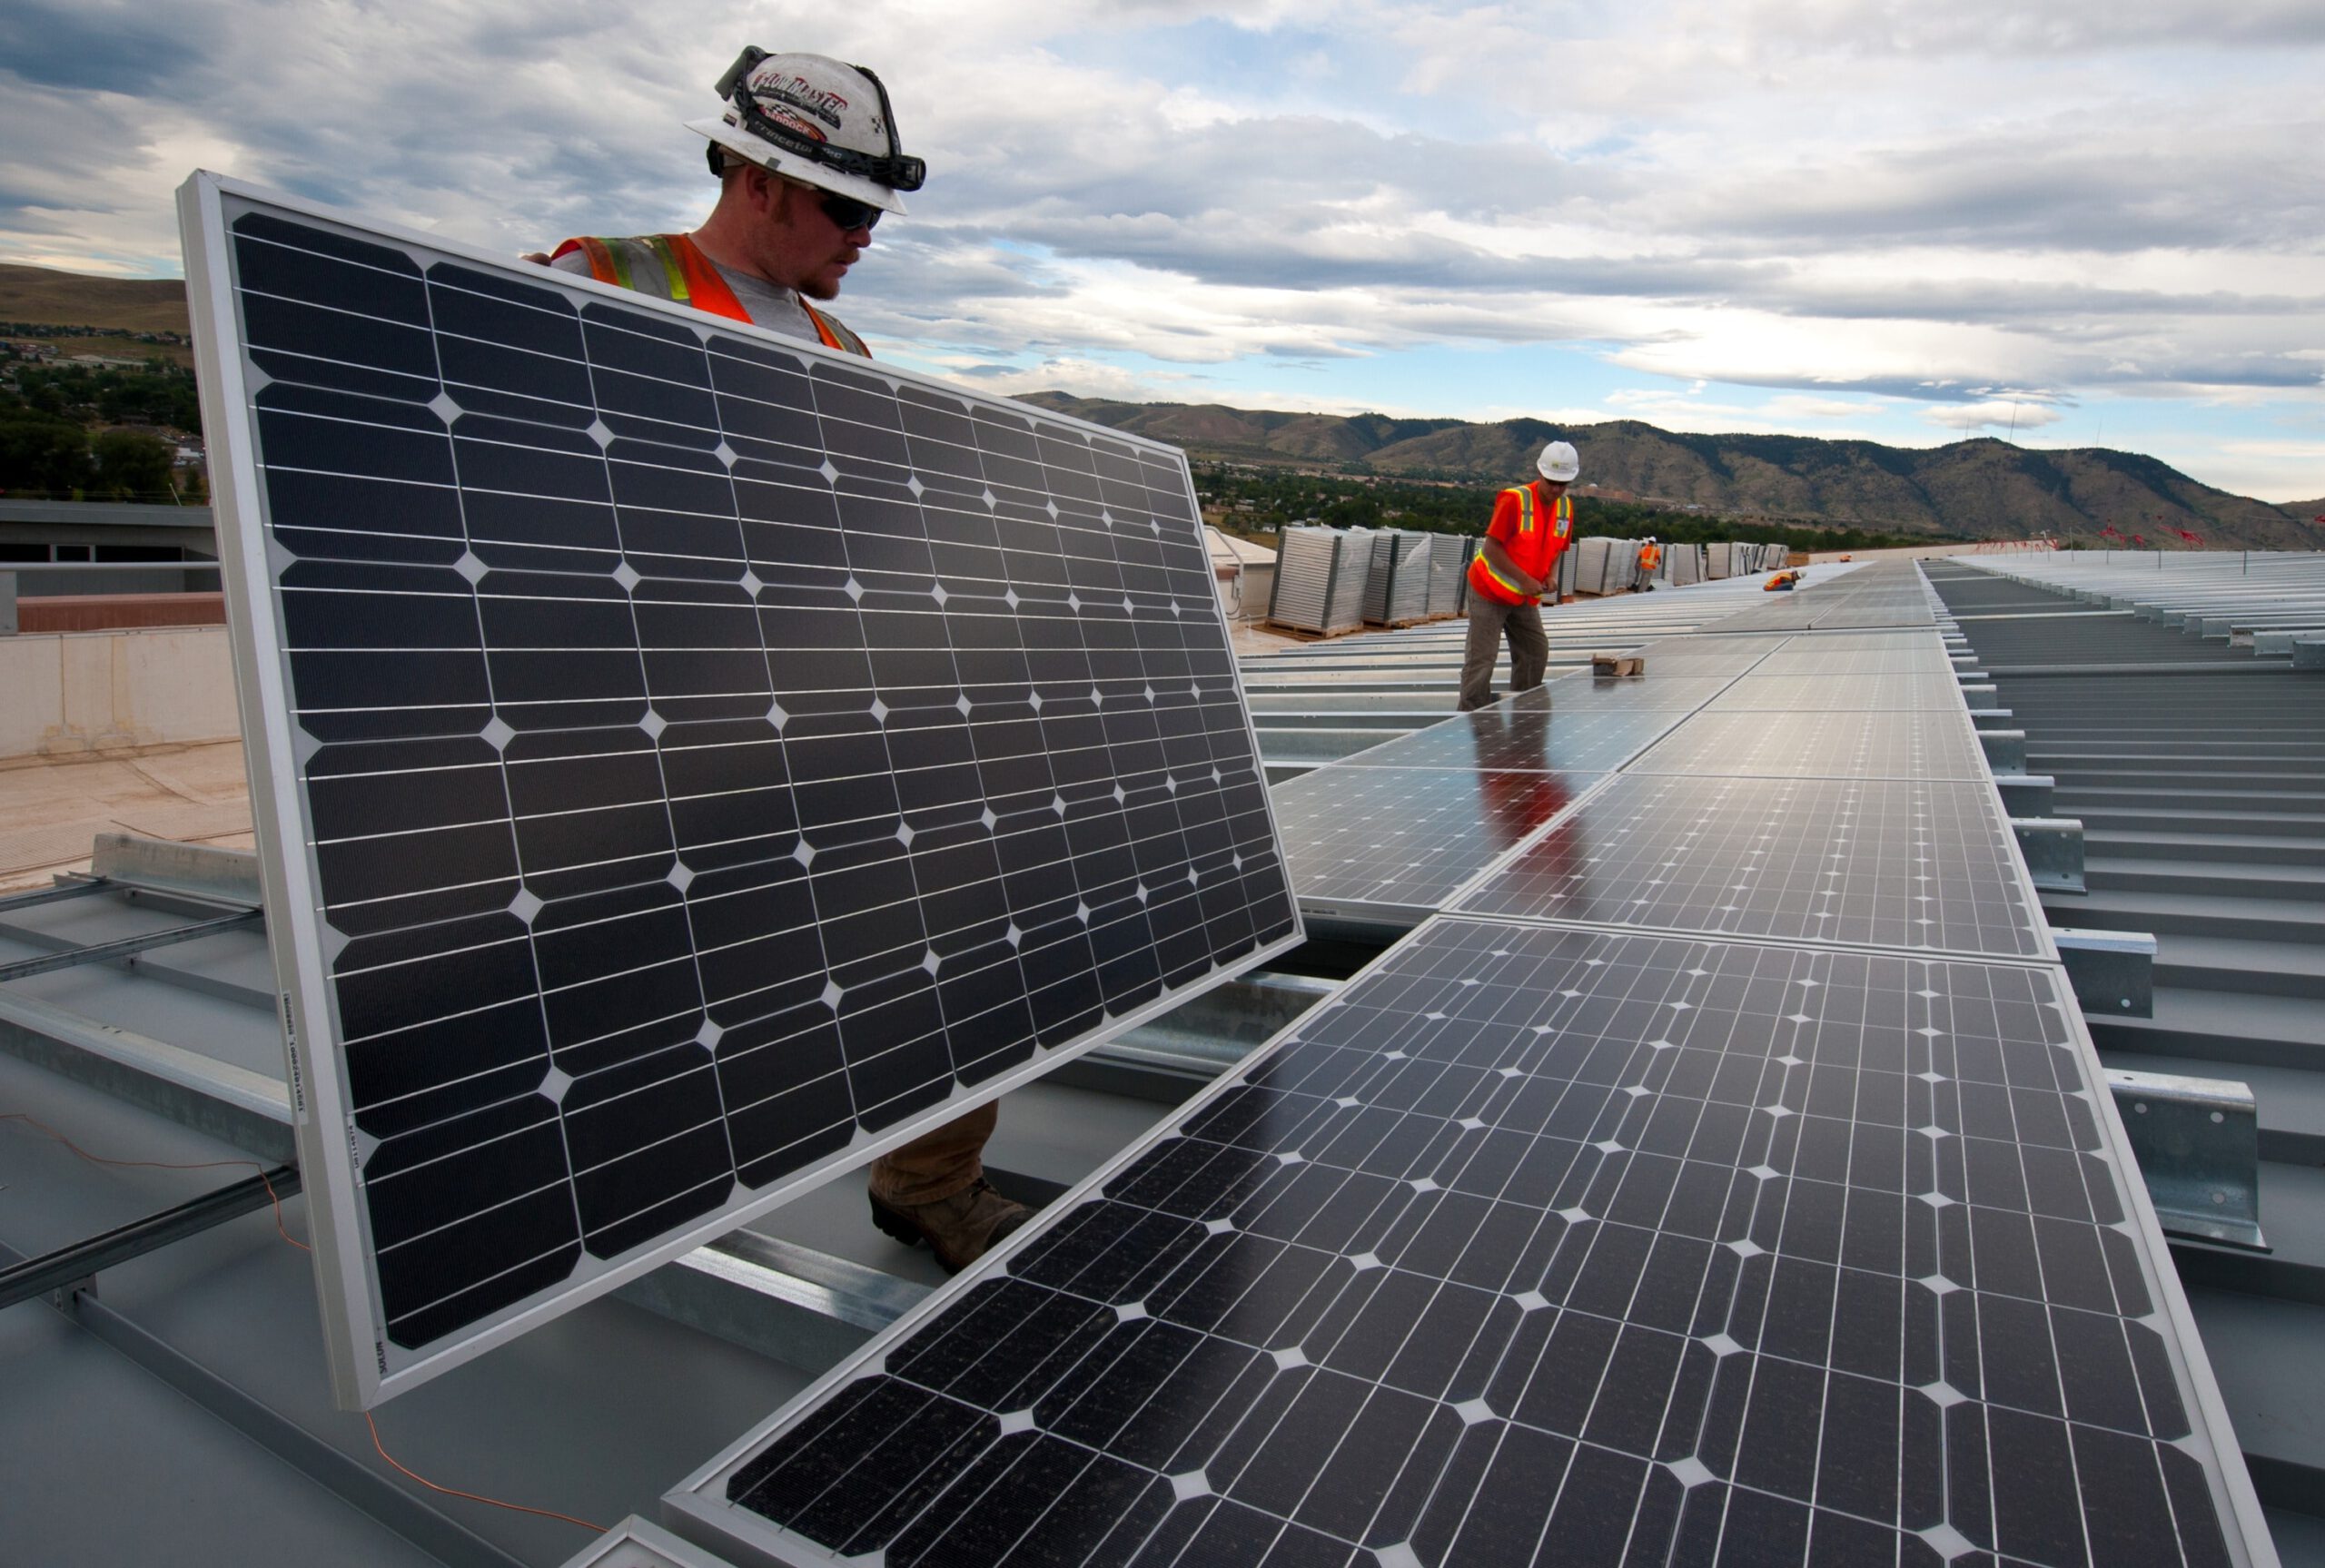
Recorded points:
(1406, 838)
(1528, 732)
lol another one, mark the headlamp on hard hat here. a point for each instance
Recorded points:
(894, 170)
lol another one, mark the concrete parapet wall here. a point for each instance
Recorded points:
(78, 692)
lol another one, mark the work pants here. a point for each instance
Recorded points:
(937, 1164)
(1491, 621)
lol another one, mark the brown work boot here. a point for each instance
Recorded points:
(958, 1229)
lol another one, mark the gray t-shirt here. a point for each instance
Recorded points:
(770, 306)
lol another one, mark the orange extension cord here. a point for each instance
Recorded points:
(49, 1132)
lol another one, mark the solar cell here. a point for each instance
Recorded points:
(1389, 846)
(1932, 743)
(1678, 689)
(688, 761)
(1707, 656)
(1907, 864)
(1853, 691)
(1552, 1245)
(1814, 656)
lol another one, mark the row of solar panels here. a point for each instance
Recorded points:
(1719, 1180)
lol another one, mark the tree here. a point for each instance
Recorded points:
(131, 466)
(42, 453)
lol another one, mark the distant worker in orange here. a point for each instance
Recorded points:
(1515, 565)
(1650, 561)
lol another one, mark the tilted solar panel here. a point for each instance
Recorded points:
(687, 761)
(1540, 1245)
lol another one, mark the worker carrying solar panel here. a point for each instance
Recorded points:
(808, 159)
(1516, 564)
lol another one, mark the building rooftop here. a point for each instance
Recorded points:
(196, 1367)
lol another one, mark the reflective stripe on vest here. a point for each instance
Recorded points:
(673, 267)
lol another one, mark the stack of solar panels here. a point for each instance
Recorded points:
(1351, 579)
(1605, 565)
(1449, 573)
(1682, 565)
(1592, 558)
(1309, 594)
(1728, 1181)
(1396, 590)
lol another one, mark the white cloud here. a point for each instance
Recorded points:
(1845, 202)
(1995, 414)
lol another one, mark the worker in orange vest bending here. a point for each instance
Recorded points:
(1515, 565)
(1650, 561)
(807, 161)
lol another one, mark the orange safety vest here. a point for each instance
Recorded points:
(673, 267)
(1650, 557)
(1534, 551)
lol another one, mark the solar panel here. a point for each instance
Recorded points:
(1682, 690)
(1526, 734)
(686, 762)
(1853, 691)
(1929, 744)
(1386, 847)
(1706, 656)
(1551, 1245)
(1907, 864)
(1814, 656)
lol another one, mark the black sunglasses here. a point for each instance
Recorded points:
(849, 213)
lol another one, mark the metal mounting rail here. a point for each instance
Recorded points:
(128, 946)
(78, 889)
(68, 1264)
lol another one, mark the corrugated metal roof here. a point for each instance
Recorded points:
(2198, 770)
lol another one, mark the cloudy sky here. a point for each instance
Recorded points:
(2082, 222)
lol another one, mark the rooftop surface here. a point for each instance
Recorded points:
(195, 1368)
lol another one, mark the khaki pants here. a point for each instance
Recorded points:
(1530, 648)
(937, 1164)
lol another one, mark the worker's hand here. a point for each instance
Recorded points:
(538, 258)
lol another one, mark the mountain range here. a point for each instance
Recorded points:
(1979, 488)
(1974, 490)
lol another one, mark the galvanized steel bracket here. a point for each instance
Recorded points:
(2052, 846)
(2005, 749)
(2025, 794)
(2198, 1142)
(2113, 971)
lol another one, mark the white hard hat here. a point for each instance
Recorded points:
(815, 120)
(1558, 462)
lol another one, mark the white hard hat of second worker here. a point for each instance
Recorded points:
(813, 119)
(1558, 462)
